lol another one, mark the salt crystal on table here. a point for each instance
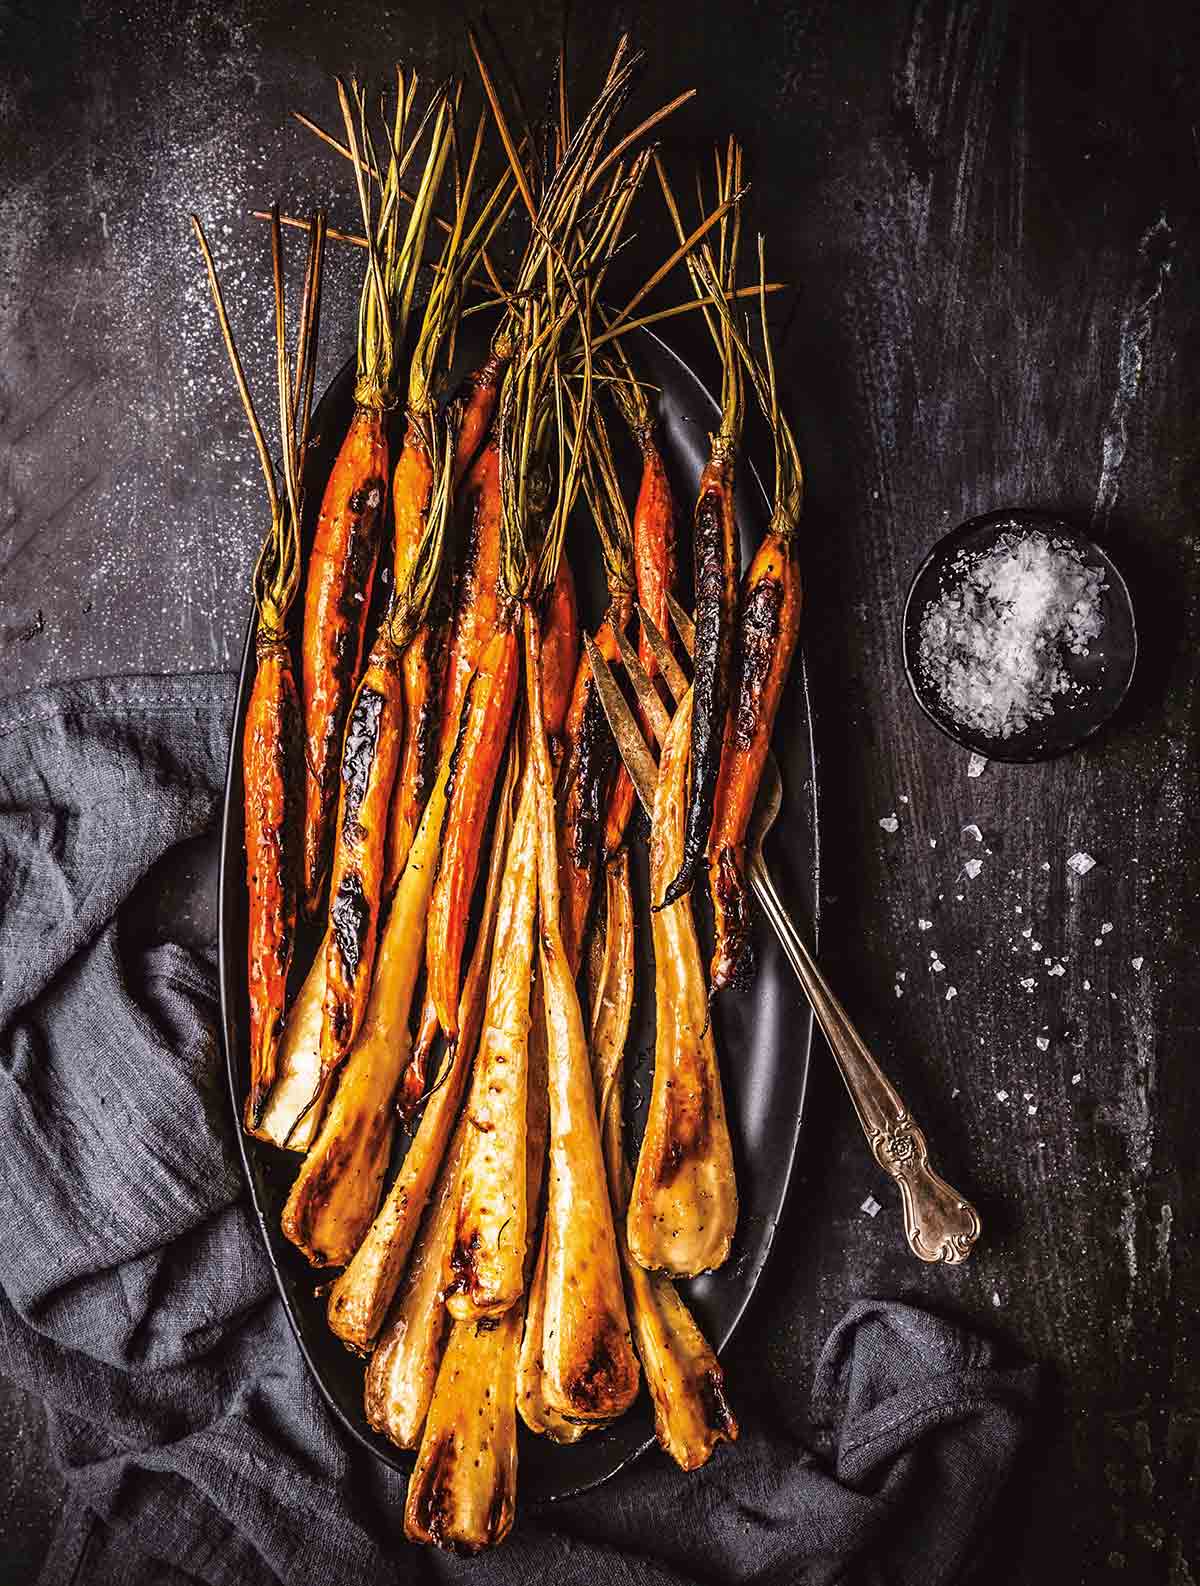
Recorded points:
(1045, 865)
(951, 992)
(1032, 1110)
(1076, 1079)
(973, 831)
(890, 823)
(1001, 1095)
(973, 867)
(902, 974)
(924, 925)
(1096, 942)
(976, 765)
(904, 798)
(1058, 969)
(1037, 947)
(1029, 983)
(871, 1206)
(1106, 927)
(1137, 962)
(995, 1298)
(954, 1092)
(1042, 1042)
(1081, 863)
(1028, 931)
(937, 966)
(899, 990)
(1087, 985)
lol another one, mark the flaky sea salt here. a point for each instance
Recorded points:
(1081, 863)
(976, 765)
(871, 1206)
(951, 993)
(924, 925)
(890, 823)
(992, 644)
(973, 867)
(1042, 1042)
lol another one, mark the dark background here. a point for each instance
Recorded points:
(989, 214)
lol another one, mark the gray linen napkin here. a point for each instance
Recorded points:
(136, 1299)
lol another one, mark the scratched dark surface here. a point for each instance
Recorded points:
(990, 215)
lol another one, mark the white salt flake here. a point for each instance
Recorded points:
(973, 867)
(1031, 1109)
(1106, 927)
(890, 823)
(1037, 947)
(955, 1092)
(1026, 1095)
(1081, 863)
(1137, 962)
(1045, 864)
(1057, 969)
(993, 643)
(1077, 1079)
(951, 993)
(995, 1297)
(871, 1206)
(973, 831)
(1028, 931)
(933, 842)
(1001, 1095)
(1096, 942)
(904, 798)
(1042, 1042)
(1029, 982)
(976, 765)
(899, 990)
(902, 974)
(937, 966)
(1087, 985)
(924, 925)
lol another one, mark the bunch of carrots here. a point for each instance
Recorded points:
(431, 782)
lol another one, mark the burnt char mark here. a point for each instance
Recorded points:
(592, 1389)
(734, 964)
(464, 1277)
(717, 1414)
(358, 757)
(595, 759)
(349, 919)
(431, 1509)
(710, 693)
(688, 1127)
(757, 648)
(367, 498)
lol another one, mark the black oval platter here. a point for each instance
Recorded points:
(764, 1037)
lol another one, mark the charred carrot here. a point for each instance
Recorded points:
(768, 628)
(715, 540)
(272, 764)
(474, 769)
(422, 679)
(560, 653)
(345, 552)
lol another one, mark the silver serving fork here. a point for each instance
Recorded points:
(938, 1223)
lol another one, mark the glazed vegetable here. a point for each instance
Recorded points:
(359, 1299)
(485, 1268)
(345, 551)
(768, 628)
(716, 553)
(686, 1383)
(291, 1117)
(589, 1370)
(422, 679)
(271, 744)
(560, 654)
(683, 1204)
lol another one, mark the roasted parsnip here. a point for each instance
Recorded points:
(683, 1205)
(291, 1117)
(359, 1300)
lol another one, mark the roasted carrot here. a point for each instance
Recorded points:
(560, 653)
(371, 753)
(422, 681)
(716, 550)
(271, 744)
(345, 552)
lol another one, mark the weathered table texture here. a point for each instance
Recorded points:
(989, 216)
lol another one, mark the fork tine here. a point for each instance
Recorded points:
(653, 708)
(639, 762)
(673, 674)
(684, 626)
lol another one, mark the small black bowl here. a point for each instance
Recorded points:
(1103, 675)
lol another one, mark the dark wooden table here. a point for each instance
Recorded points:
(990, 215)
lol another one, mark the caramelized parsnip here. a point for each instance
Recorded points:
(337, 1190)
(590, 1373)
(683, 1206)
(485, 1268)
(359, 1300)
(291, 1117)
(691, 1412)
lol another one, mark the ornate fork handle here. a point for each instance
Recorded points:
(938, 1223)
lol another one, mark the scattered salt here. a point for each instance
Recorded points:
(1027, 932)
(937, 966)
(995, 1297)
(899, 990)
(1042, 1042)
(1001, 1095)
(890, 823)
(871, 1206)
(1076, 1079)
(1037, 947)
(992, 644)
(973, 867)
(1045, 864)
(1031, 1110)
(904, 798)
(1057, 969)
(955, 1092)
(933, 842)
(1087, 985)
(1106, 927)
(1029, 983)
(1081, 863)
(1096, 941)
(976, 765)
(924, 925)
(973, 831)
(1137, 962)
(951, 993)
